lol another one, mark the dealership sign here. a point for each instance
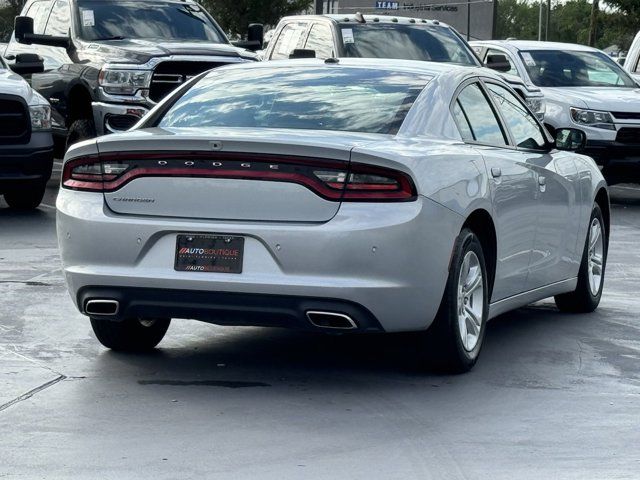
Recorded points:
(388, 5)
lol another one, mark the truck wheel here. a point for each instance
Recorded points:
(586, 297)
(28, 198)
(456, 336)
(80, 130)
(131, 334)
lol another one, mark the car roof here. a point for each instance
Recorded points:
(373, 19)
(434, 69)
(516, 45)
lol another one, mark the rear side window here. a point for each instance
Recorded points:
(481, 121)
(39, 11)
(340, 99)
(290, 38)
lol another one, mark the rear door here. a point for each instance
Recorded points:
(513, 187)
(234, 174)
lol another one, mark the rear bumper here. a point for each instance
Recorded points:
(26, 163)
(390, 260)
(224, 308)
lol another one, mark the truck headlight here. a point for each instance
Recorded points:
(124, 82)
(40, 117)
(593, 118)
(538, 106)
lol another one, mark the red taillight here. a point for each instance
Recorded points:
(366, 183)
(84, 174)
(331, 179)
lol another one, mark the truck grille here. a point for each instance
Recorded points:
(170, 75)
(15, 122)
(629, 136)
(626, 115)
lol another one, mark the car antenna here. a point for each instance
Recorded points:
(360, 18)
(332, 60)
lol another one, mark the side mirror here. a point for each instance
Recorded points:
(570, 139)
(24, 34)
(256, 33)
(27, 63)
(23, 28)
(498, 62)
(255, 38)
(302, 53)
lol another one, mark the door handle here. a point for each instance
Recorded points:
(496, 172)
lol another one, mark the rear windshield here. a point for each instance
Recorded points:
(310, 98)
(406, 42)
(552, 68)
(140, 19)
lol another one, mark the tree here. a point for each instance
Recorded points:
(517, 19)
(234, 16)
(8, 12)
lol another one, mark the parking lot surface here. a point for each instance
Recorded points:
(552, 396)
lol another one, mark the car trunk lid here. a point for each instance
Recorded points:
(227, 174)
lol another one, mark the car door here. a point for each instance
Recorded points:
(557, 203)
(513, 187)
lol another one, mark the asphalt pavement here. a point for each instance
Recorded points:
(554, 396)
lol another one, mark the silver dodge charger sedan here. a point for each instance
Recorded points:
(338, 195)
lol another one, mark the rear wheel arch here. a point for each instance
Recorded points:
(481, 224)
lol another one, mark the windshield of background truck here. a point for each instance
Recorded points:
(109, 20)
(552, 68)
(407, 42)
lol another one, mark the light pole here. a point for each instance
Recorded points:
(540, 22)
(468, 20)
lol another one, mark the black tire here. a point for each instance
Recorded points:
(27, 198)
(582, 299)
(446, 350)
(131, 334)
(83, 129)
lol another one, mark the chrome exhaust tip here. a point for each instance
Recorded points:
(103, 308)
(331, 320)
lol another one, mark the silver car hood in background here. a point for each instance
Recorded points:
(610, 99)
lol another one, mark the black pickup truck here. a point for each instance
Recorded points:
(107, 62)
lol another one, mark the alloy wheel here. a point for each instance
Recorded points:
(470, 301)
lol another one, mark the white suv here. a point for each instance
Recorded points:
(583, 88)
